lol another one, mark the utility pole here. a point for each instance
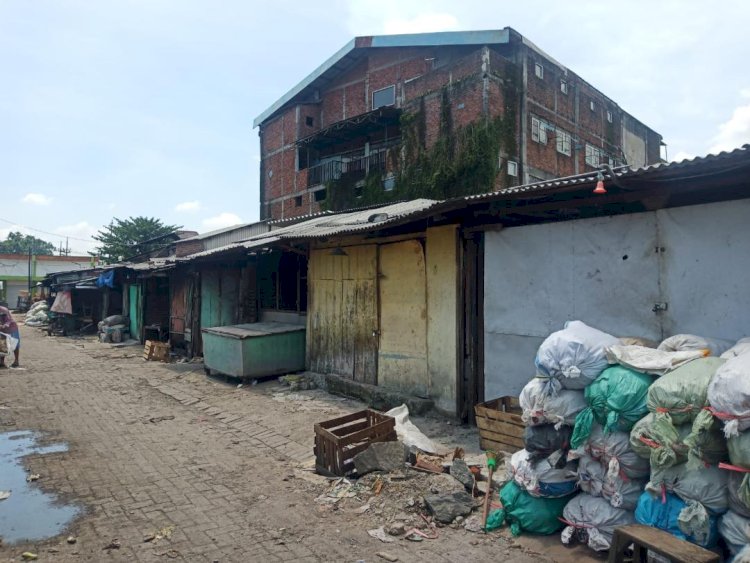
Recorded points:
(31, 252)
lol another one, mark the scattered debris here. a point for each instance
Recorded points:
(4, 494)
(362, 509)
(387, 556)
(461, 472)
(397, 529)
(29, 556)
(33, 477)
(445, 507)
(155, 419)
(380, 534)
(380, 456)
(72, 539)
(377, 486)
(114, 544)
(473, 524)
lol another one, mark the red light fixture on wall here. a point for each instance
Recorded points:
(599, 189)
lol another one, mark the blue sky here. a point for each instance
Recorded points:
(144, 107)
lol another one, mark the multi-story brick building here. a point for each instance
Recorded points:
(437, 115)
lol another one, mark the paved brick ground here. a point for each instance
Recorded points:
(155, 446)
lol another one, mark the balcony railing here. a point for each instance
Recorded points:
(353, 167)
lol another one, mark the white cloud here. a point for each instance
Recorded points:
(736, 131)
(681, 155)
(421, 23)
(188, 206)
(82, 230)
(36, 199)
(221, 220)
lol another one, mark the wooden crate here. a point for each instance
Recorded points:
(338, 440)
(156, 351)
(500, 425)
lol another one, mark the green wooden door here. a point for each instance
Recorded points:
(135, 311)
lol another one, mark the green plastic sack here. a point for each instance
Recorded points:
(655, 438)
(739, 455)
(616, 399)
(524, 513)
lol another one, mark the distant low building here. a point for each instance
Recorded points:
(14, 271)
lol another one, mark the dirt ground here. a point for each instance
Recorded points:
(223, 472)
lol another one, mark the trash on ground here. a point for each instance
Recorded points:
(381, 534)
(4, 495)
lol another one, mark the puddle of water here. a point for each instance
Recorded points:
(29, 513)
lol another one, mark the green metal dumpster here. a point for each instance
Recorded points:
(254, 350)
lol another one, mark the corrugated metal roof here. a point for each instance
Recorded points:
(345, 57)
(238, 227)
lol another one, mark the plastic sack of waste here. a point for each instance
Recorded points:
(739, 458)
(574, 356)
(741, 347)
(616, 399)
(526, 513)
(543, 440)
(593, 480)
(596, 517)
(8, 344)
(729, 395)
(613, 450)
(648, 360)
(542, 405)
(680, 342)
(550, 477)
(734, 487)
(707, 485)
(735, 529)
(408, 433)
(686, 520)
(637, 341)
(658, 440)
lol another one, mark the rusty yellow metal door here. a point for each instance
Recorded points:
(402, 352)
(342, 321)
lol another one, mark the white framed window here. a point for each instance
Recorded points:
(384, 97)
(512, 168)
(539, 70)
(592, 105)
(538, 130)
(594, 155)
(609, 116)
(564, 87)
(564, 142)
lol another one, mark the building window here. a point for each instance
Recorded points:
(592, 105)
(384, 97)
(309, 121)
(539, 70)
(538, 130)
(298, 201)
(320, 195)
(512, 168)
(563, 87)
(564, 142)
(594, 156)
(609, 116)
(389, 183)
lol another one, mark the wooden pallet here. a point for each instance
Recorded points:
(500, 425)
(646, 538)
(338, 440)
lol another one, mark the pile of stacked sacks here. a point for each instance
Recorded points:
(638, 430)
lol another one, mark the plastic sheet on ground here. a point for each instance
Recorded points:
(735, 530)
(541, 405)
(617, 400)
(408, 433)
(550, 477)
(649, 360)
(707, 485)
(684, 520)
(729, 394)
(526, 513)
(597, 517)
(574, 356)
(680, 342)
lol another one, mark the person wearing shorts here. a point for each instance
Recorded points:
(9, 326)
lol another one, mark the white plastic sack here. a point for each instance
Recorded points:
(729, 394)
(597, 517)
(706, 485)
(575, 356)
(736, 504)
(613, 450)
(408, 434)
(742, 346)
(637, 341)
(648, 360)
(593, 480)
(680, 342)
(542, 479)
(9, 344)
(735, 530)
(544, 406)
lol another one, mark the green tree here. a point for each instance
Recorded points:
(126, 238)
(18, 243)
